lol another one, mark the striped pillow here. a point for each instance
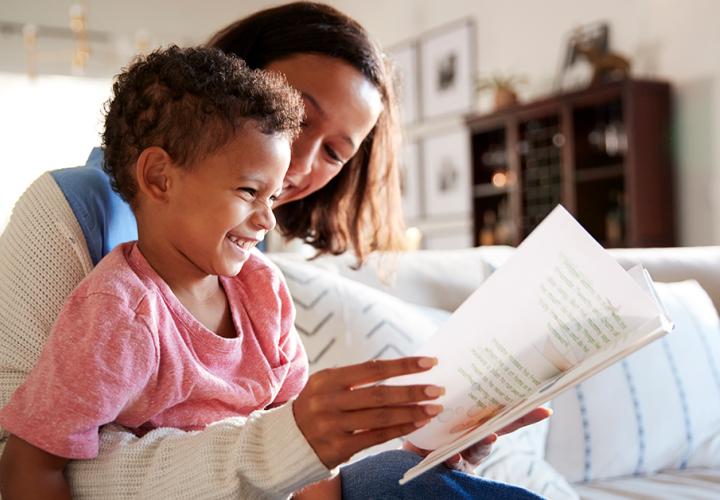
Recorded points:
(657, 409)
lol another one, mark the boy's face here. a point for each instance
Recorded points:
(220, 206)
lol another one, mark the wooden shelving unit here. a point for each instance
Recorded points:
(604, 153)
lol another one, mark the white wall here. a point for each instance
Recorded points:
(45, 124)
(677, 40)
(667, 39)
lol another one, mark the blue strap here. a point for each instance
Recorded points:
(105, 219)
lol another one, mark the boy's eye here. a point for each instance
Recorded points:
(248, 190)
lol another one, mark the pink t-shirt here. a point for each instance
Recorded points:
(125, 350)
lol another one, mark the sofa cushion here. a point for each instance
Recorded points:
(695, 484)
(442, 279)
(657, 409)
(342, 322)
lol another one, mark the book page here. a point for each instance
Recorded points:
(557, 301)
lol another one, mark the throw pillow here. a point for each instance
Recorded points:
(657, 409)
(435, 278)
(343, 322)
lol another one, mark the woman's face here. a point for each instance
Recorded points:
(341, 107)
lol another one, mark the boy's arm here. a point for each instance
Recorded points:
(263, 457)
(27, 472)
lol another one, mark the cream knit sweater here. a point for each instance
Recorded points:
(43, 256)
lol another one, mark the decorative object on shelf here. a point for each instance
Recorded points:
(504, 88)
(487, 230)
(447, 63)
(615, 220)
(405, 61)
(588, 59)
(410, 182)
(447, 174)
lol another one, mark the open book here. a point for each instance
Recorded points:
(558, 311)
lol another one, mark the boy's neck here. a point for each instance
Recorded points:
(180, 274)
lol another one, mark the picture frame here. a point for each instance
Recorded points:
(447, 69)
(446, 162)
(410, 182)
(404, 58)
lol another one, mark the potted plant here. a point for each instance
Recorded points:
(503, 86)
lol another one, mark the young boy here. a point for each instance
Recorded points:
(187, 325)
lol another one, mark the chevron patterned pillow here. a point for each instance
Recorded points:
(343, 322)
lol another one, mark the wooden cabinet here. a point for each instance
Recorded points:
(604, 153)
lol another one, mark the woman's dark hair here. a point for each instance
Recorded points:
(190, 102)
(360, 207)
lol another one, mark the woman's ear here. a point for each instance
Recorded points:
(153, 173)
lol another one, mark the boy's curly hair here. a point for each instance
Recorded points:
(190, 102)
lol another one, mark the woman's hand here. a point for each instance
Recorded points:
(470, 458)
(339, 414)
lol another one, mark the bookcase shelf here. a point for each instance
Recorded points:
(602, 152)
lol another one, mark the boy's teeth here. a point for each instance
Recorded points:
(245, 244)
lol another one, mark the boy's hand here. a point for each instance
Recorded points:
(470, 458)
(339, 414)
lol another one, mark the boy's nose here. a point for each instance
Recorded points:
(264, 216)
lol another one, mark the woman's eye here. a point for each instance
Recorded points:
(333, 155)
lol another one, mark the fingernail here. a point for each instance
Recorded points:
(433, 410)
(427, 362)
(433, 391)
(421, 423)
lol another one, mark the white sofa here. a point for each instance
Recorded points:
(653, 421)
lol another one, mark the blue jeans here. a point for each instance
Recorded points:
(376, 478)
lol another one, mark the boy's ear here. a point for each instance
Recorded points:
(153, 172)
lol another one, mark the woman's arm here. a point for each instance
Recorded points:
(27, 472)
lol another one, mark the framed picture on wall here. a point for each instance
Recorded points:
(446, 161)
(410, 182)
(447, 69)
(405, 61)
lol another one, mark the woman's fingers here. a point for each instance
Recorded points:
(366, 439)
(533, 417)
(479, 451)
(369, 372)
(383, 395)
(339, 416)
(379, 418)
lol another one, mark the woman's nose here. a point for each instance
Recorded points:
(304, 152)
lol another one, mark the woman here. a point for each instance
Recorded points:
(341, 193)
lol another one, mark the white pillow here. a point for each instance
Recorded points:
(442, 279)
(657, 409)
(342, 322)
